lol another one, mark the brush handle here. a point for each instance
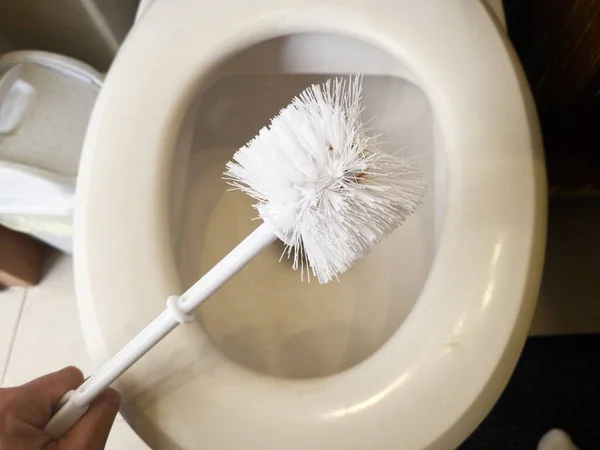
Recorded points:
(179, 310)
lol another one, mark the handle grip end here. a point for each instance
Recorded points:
(68, 413)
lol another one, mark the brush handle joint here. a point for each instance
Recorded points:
(174, 307)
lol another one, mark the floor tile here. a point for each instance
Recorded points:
(11, 303)
(122, 437)
(49, 335)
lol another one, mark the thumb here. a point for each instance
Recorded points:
(92, 430)
(47, 390)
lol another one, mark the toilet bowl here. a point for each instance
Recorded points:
(414, 344)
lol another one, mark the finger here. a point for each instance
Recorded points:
(91, 431)
(50, 388)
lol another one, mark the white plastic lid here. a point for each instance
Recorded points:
(45, 104)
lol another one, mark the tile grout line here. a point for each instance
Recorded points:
(13, 338)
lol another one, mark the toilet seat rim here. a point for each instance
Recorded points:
(529, 257)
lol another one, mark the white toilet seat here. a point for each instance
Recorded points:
(436, 378)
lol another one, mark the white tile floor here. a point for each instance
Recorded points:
(40, 333)
(38, 324)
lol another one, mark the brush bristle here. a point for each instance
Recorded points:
(323, 183)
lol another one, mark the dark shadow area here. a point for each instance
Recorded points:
(555, 385)
(556, 382)
(558, 43)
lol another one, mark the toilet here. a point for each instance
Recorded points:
(415, 343)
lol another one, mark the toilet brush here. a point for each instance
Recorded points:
(323, 186)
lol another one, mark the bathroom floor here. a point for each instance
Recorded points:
(40, 331)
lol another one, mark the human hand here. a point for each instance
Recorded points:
(25, 410)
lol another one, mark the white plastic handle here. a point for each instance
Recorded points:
(74, 404)
(68, 413)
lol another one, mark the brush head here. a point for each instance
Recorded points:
(322, 181)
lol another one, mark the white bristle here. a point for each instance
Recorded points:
(323, 183)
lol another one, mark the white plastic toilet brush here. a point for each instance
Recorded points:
(323, 186)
